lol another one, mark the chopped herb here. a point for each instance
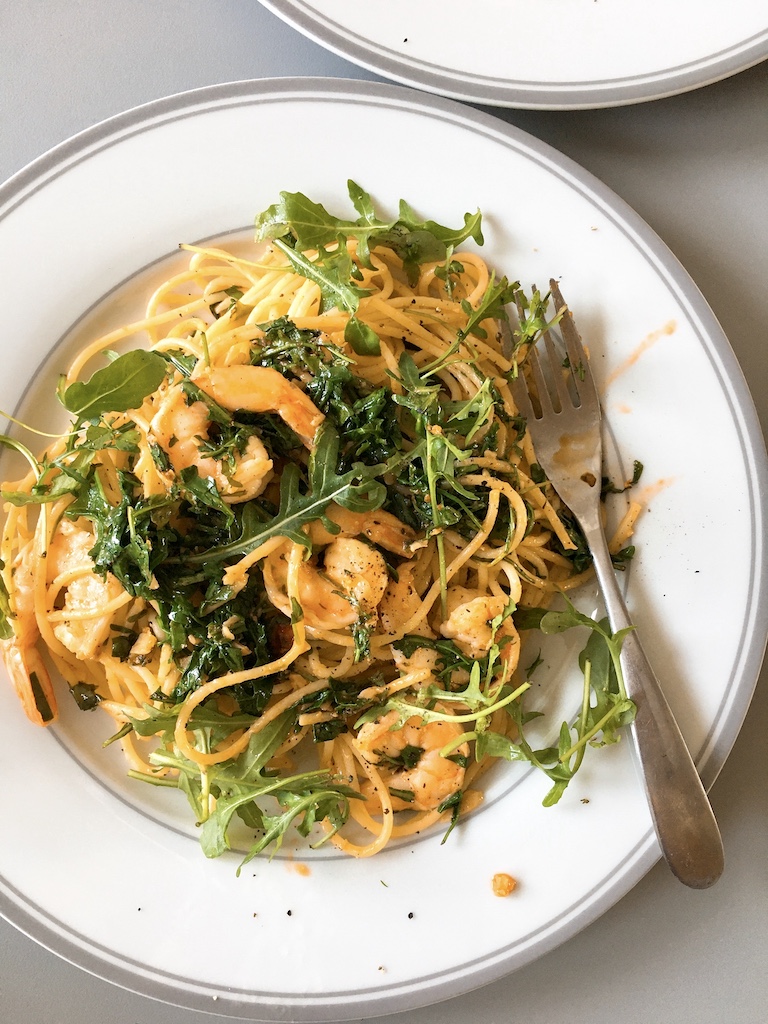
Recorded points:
(85, 696)
(408, 757)
(608, 487)
(621, 558)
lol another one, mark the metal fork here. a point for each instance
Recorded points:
(564, 423)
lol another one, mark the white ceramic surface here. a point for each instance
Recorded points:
(117, 887)
(555, 55)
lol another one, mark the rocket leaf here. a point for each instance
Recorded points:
(122, 385)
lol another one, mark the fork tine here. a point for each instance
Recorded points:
(522, 398)
(556, 377)
(583, 382)
(542, 391)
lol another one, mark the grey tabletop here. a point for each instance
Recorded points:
(694, 167)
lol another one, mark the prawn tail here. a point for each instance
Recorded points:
(31, 681)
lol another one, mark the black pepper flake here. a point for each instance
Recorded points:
(410, 915)
(289, 912)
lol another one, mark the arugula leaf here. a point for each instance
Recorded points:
(496, 297)
(453, 804)
(610, 709)
(162, 721)
(357, 490)
(448, 270)
(118, 387)
(246, 770)
(40, 698)
(295, 222)
(203, 491)
(361, 338)
(408, 757)
(528, 618)
(605, 706)
(492, 306)
(311, 226)
(317, 799)
(331, 274)
(362, 628)
(532, 317)
(620, 559)
(20, 498)
(130, 538)
(494, 744)
(579, 554)
(239, 786)
(10, 442)
(608, 487)
(68, 472)
(307, 224)
(334, 388)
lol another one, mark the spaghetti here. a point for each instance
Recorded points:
(304, 521)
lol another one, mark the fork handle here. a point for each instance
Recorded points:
(682, 815)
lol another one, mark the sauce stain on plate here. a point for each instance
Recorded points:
(669, 328)
(646, 494)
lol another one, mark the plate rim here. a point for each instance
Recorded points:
(520, 94)
(22, 185)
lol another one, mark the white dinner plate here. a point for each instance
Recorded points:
(557, 54)
(107, 874)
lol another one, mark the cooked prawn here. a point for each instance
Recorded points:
(30, 680)
(262, 389)
(179, 426)
(401, 601)
(358, 569)
(379, 527)
(469, 623)
(83, 624)
(349, 584)
(410, 762)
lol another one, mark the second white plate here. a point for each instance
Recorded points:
(563, 54)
